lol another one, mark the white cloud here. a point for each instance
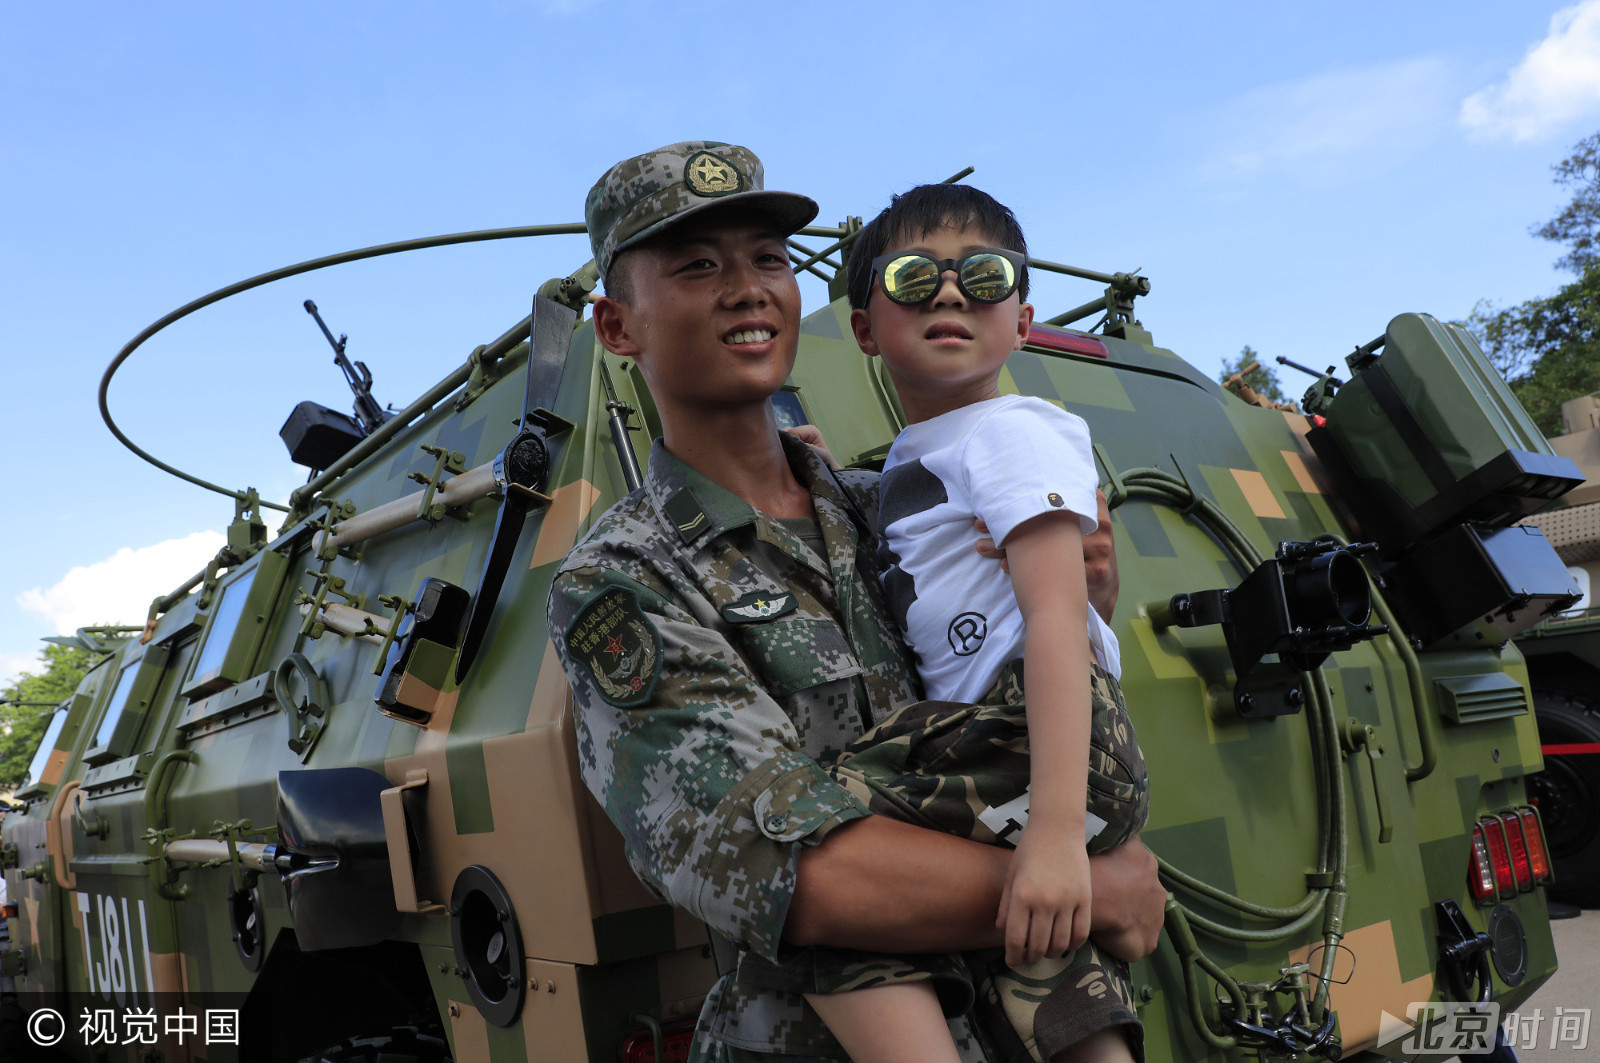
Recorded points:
(1318, 125)
(119, 589)
(1556, 83)
(12, 665)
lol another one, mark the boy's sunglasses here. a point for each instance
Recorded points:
(988, 275)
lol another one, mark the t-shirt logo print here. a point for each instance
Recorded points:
(967, 632)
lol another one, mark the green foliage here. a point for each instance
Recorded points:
(1262, 378)
(21, 726)
(1578, 224)
(1548, 349)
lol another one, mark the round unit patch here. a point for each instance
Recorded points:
(618, 646)
(712, 175)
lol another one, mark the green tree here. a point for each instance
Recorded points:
(22, 725)
(1548, 349)
(1262, 378)
(1578, 224)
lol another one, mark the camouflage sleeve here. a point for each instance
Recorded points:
(697, 766)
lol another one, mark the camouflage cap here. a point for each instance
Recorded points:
(639, 197)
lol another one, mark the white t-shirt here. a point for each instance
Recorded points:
(1004, 460)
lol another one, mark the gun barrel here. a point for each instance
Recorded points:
(1308, 370)
(336, 344)
(357, 376)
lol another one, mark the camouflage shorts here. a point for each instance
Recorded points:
(963, 769)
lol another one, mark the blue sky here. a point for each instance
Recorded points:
(1289, 175)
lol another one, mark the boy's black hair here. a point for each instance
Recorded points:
(925, 209)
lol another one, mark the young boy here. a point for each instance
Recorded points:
(938, 284)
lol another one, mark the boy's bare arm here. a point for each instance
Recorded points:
(1099, 559)
(1047, 901)
(886, 886)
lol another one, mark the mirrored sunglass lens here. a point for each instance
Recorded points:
(988, 277)
(911, 279)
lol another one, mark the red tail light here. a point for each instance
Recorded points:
(1508, 855)
(1518, 848)
(1538, 857)
(1058, 339)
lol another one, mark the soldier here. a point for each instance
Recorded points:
(722, 629)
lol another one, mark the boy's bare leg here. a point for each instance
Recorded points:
(897, 1023)
(1106, 1046)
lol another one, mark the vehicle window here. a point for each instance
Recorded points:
(119, 698)
(230, 607)
(47, 745)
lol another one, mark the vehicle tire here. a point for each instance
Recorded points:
(406, 1044)
(1568, 794)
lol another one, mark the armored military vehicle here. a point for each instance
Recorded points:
(1563, 655)
(328, 790)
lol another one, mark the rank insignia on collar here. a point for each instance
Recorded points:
(614, 641)
(684, 511)
(758, 606)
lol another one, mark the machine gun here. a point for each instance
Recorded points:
(317, 436)
(358, 376)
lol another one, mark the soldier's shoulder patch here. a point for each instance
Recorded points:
(758, 606)
(614, 641)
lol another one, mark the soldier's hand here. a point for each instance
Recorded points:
(1129, 902)
(1100, 562)
(985, 545)
(1099, 558)
(811, 436)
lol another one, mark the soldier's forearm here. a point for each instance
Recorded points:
(885, 886)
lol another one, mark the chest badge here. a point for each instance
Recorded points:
(615, 642)
(758, 606)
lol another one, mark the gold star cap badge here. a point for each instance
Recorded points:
(711, 175)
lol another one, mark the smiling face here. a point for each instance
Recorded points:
(947, 352)
(711, 312)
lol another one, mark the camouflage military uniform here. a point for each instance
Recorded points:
(964, 769)
(715, 660)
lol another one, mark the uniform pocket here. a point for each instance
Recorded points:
(1119, 786)
(796, 652)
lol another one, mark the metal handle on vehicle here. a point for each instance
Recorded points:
(56, 839)
(97, 828)
(157, 788)
(401, 869)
